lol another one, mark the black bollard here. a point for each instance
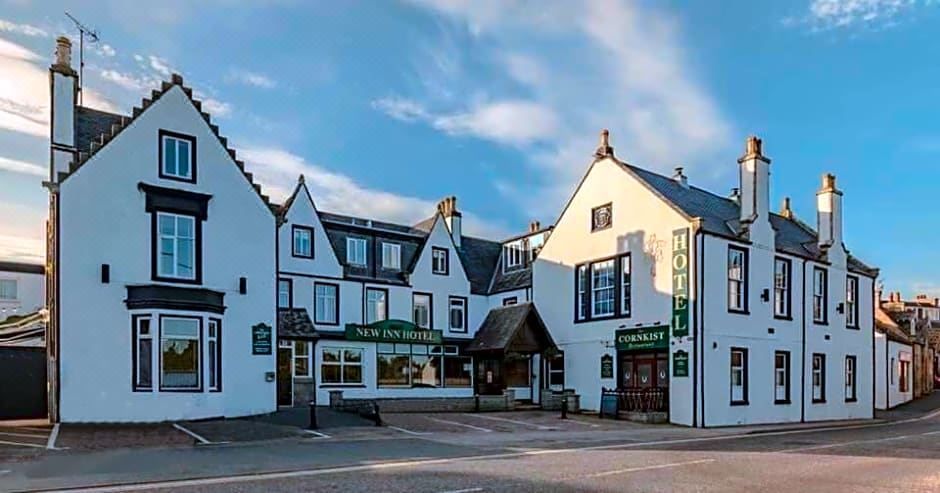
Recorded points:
(564, 407)
(375, 414)
(313, 416)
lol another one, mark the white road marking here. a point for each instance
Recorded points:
(468, 490)
(21, 444)
(317, 433)
(478, 428)
(507, 420)
(198, 438)
(50, 444)
(190, 483)
(644, 468)
(853, 442)
(5, 471)
(409, 432)
(582, 423)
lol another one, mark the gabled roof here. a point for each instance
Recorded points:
(885, 324)
(513, 328)
(295, 323)
(720, 216)
(94, 129)
(479, 258)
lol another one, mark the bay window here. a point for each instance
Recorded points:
(180, 353)
(8, 289)
(143, 353)
(214, 354)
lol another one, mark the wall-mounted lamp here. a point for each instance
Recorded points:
(765, 295)
(840, 308)
(242, 285)
(105, 273)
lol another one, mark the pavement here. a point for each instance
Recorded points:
(519, 451)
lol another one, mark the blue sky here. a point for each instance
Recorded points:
(388, 106)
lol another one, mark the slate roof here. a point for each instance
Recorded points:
(25, 331)
(294, 323)
(720, 216)
(515, 279)
(480, 258)
(502, 324)
(91, 124)
(22, 267)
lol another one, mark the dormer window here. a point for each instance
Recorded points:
(356, 251)
(513, 255)
(391, 256)
(177, 156)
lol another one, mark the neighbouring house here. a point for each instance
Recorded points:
(710, 308)
(163, 263)
(894, 356)
(920, 319)
(22, 288)
(408, 313)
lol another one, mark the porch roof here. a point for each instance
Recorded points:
(513, 329)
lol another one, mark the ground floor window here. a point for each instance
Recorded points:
(143, 353)
(214, 354)
(556, 372)
(819, 378)
(904, 370)
(782, 377)
(301, 359)
(850, 379)
(341, 366)
(738, 376)
(421, 365)
(180, 353)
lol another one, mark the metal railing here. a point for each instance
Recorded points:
(640, 399)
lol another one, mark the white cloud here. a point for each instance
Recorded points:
(843, 14)
(213, 106)
(252, 79)
(557, 75)
(506, 122)
(105, 50)
(24, 29)
(24, 91)
(16, 166)
(334, 192)
(160, 65)
(22, 231)
(125, 80)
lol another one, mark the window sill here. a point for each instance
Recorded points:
(783, 317)
(342, 386)
(331, 324)
(821, 323)
(601, 318)
(305, 257)
(853, 327)
(819, 401)
(182, 391)
(783, 402)
(855, 399)
(738, 312)
(740, 403)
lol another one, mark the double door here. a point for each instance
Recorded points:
(644, 370)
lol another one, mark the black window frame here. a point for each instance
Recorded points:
(825, 296)
(434, 269)
(786, 362)
(382, 253)
(618, 289)
(200, 364)
(218, 353)
(365, 304)
(744, 375)
(789, 289)
(430, 297)
(466, 314)
(161, 134)
(135, 362)
(510, 300)
(852, 281)
(845, 368)
(822, 378)
(745, 280)
(290, 293)
(155, 247)
(293, 241)
(610, 222)
(336, 304)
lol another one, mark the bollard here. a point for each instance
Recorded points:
(313, 416)
(375, 414)
(564, 407)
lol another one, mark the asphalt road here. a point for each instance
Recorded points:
(898, 456)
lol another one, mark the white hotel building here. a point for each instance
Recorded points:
(160, 309)
(768, 319)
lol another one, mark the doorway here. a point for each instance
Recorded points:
(285, 376)
(643, 370)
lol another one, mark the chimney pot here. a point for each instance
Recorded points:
(63, 53)
(735, 194)
(604, 149)
(680, 177)
(534, 226)
(753, 146)
(786, 211)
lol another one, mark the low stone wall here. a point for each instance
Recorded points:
(650, 418)
(551, 400)
(504, 402)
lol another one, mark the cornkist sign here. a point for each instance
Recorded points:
(400, 331)
(643, 338)
(680, 282)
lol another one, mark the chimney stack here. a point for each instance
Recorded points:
(680, 177)
(452, 217)
(604, 149)
(63, 95)
(534, 226)
(755, 182)
(829, 213)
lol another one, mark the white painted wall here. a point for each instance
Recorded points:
(888, 357)
(496, 300)
(303, 213)
(643, 226)
(30, 294)
(103, 221)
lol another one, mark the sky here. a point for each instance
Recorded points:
(387, 107)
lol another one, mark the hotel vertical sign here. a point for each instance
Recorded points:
(680, 282)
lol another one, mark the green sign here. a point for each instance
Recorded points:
(607, 366)
(680, 363)
(643, 338)
(261, 339)
(400, 331)
(680, 282)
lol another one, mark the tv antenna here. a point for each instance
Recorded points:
(92, 38)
